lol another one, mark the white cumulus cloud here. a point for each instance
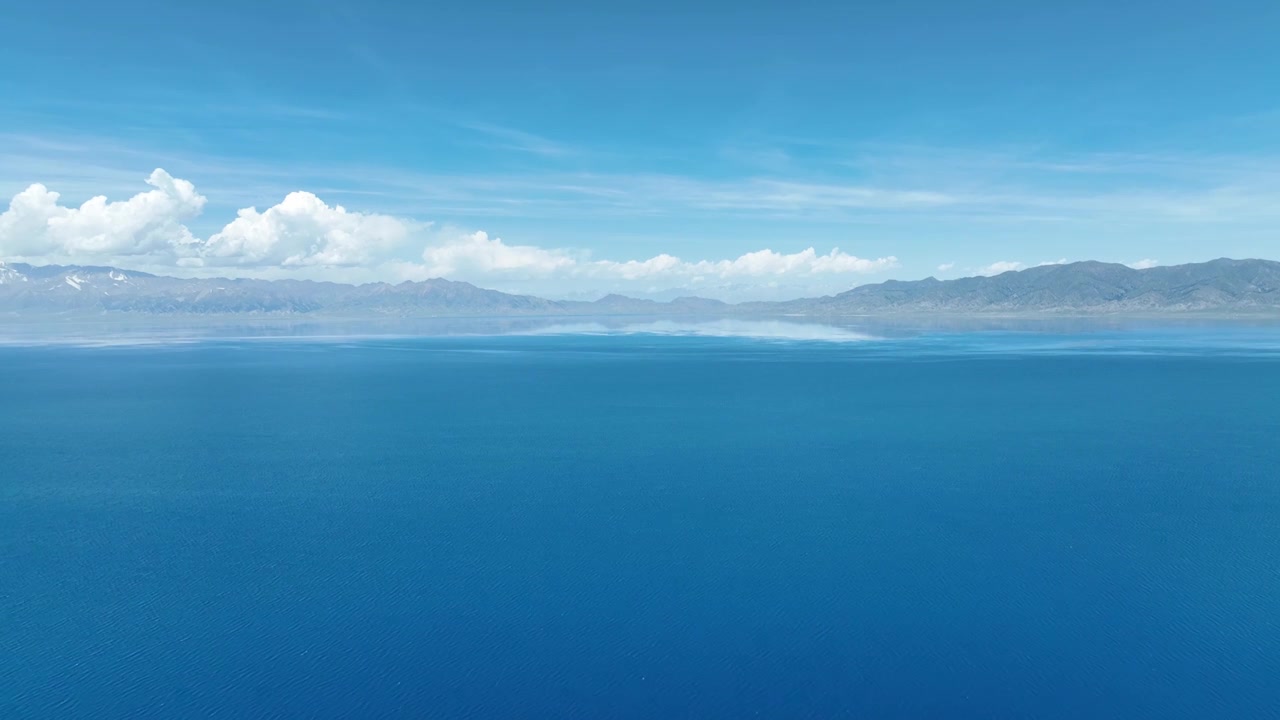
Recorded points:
(1000, 266)
(150, 222)
(478, 253)
(761, 263)
(1143, 264)
(637, 269)
(305, 236)
(303, 230)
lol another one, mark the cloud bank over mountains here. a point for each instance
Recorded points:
(147, 224)
(303, 236)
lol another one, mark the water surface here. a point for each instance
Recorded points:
(651, 522)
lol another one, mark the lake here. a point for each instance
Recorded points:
(662, 519)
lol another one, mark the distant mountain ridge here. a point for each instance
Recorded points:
(1229, 286)
(1080, 287)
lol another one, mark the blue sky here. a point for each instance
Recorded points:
(572, 149)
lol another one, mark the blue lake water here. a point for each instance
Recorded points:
(587, 523)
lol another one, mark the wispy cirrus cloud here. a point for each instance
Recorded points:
(916, 183)
(514, 139)
(549, 194)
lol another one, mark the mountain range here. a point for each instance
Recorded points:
(1220, 286)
